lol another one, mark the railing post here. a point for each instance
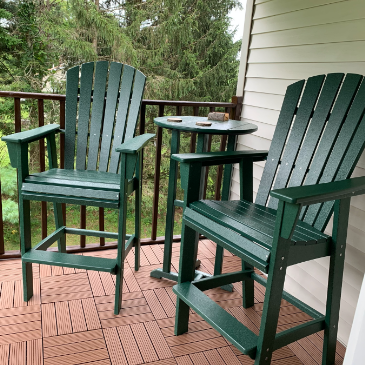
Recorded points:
(42, 166)
(156, 191)
(2, 243)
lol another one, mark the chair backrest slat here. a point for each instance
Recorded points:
(123, 108)
(300, 125)
(115, 72)
(113, 93)
(72, 89)
(97, 113)
(340, 148)
(138, 88)
(86, 84)
(337, 118)
(347, 166)
(312, 138)
(326, 140)
(281, 132)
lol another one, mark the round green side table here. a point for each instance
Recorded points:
(230, 128)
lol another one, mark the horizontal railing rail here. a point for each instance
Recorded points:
(233, 108)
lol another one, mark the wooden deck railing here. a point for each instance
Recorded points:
(234, 108)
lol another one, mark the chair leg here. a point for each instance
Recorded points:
(137, 218)
(272, 302)
(27, 274)
(58, 217)
(337, 261)
(247, 288)
(25, 245)
(218, 263)
(188, 255)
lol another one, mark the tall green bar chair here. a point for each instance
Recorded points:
(103, 166)
(319, 137)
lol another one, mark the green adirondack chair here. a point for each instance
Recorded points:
(101, 120)
(318, 140)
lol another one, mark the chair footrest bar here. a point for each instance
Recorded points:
(70, 260)
(228, 326)
(292, 300)
(296, 333)
(219, 280)
(179, 203)
(51, 239)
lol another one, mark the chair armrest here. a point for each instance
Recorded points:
(135, 144)
(319, 193)
(219, 158)
(32, 135)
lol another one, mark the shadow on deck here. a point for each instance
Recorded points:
(70, 318)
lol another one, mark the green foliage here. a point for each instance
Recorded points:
(10, 211)
(8, 181)
(184, 47)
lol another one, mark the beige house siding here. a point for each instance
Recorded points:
(291, 40)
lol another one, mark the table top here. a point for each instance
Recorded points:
(188, 125)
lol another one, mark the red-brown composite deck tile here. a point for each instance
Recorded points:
(72, 338)
(34, 352)
(108, 283)
(130, 346)
(17, 353)
(228, 355)
(154, 304)
(152, 258)
(191, 337)
(204, 345)
(131, 280)
(63, 318)
(68, 270)
(49, 323)
(161, 347)
(18, 294)
(301, 354)
(114, 346)
(158, 252)
(201, 345)
(36, 298)
(122, 321)
(18, 311)
(96, 284)
(144, 343)
(184, 360)
(21, 318)
(4, 354)
(214, 358)
(7, 294)
(170, 361)
(44, 271)
(77, 316)
(166, 302)
(56, 270)
(91, 314)
(74, 348)
(238, 313)
(199, 359)
(79, 358)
